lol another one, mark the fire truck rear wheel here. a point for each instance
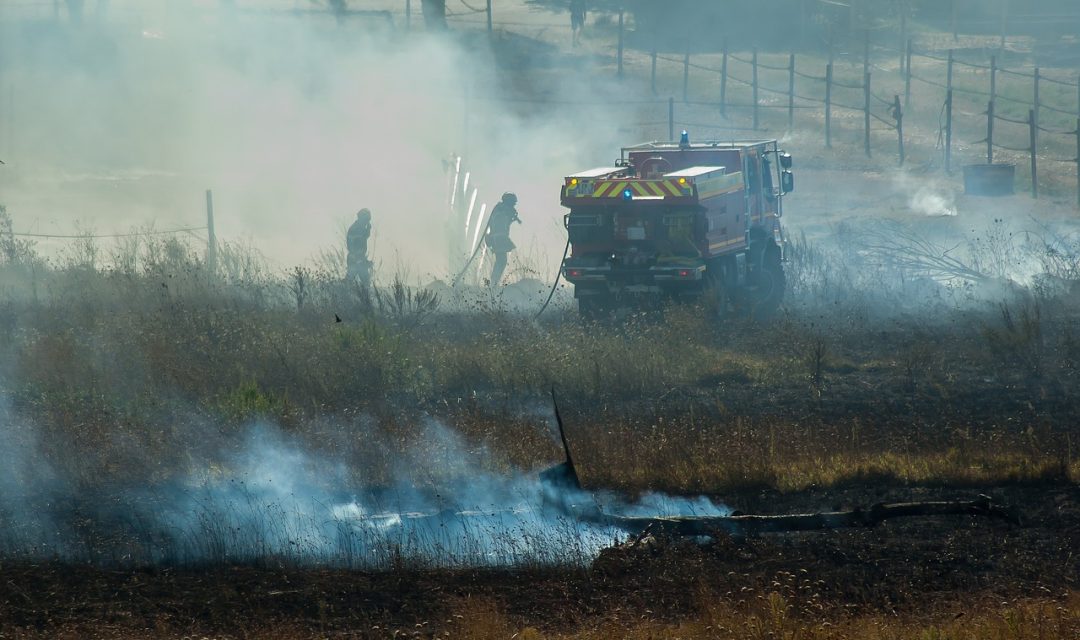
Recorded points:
(769, 285)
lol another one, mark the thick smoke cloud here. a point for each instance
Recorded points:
(294, 122)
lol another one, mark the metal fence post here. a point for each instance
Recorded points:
(621, 31)
(866, 113)
(993, 78)
(1032, 124)
(686, 75)
(653, 74)
(948, 131)
(990, 132)
(1035, 100)
(671, 118)
(899, 113)
(948, 72)
(723, 81)
(791, 93)
(828, 105)
(907, 76)
(755, 86)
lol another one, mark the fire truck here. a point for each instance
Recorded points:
(679, 221)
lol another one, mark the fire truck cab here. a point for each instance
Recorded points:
(679, 221)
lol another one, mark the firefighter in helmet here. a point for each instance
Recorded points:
(356, 245)
(498, 234)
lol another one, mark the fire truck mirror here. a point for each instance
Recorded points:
(787, 181)
(785, 160)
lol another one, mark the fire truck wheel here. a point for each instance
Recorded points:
(770, 283)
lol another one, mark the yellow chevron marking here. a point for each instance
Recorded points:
(601, 188)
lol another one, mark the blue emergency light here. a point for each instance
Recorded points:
(684, 140)
(627, 194)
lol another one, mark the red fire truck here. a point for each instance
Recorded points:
(679, 222)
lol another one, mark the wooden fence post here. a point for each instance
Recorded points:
(990, 132)
(828, 105)
(866, 113)
(686, 75)
(1032, 124)
(791, 93)
(1078, 163)
(899, 113)
(723, 82)
(948, 131)
(490, 26)
(671, 118)
(755, 86)
(211, 242)
(907, 76)
(621, 31)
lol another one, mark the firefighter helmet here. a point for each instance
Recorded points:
(509, 198)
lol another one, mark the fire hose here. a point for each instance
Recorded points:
(558, 274)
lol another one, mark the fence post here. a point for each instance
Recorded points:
(755, 84)
(211, 242)
(866, 51)
(1035, 100)
(653, 75)
(1078, 163)
(723, 82)
(828, 105)
(408, 14)
(907, 76)
(903, 35)
(686, 75)
(948, 72)
(791, 93)
(489, 24)
(1004, 21)
(899, 113)
(948, 131)
(621, 30)
(671, 118)
(866, 113)
(1032, 124)
(993, 78)
(990, 132)
(952, 20)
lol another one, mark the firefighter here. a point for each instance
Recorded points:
(356, 245)
(577, 20)
(498, 234)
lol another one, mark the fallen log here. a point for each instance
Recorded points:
(749, 525)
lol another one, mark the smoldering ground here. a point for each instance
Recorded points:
(263, 496)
